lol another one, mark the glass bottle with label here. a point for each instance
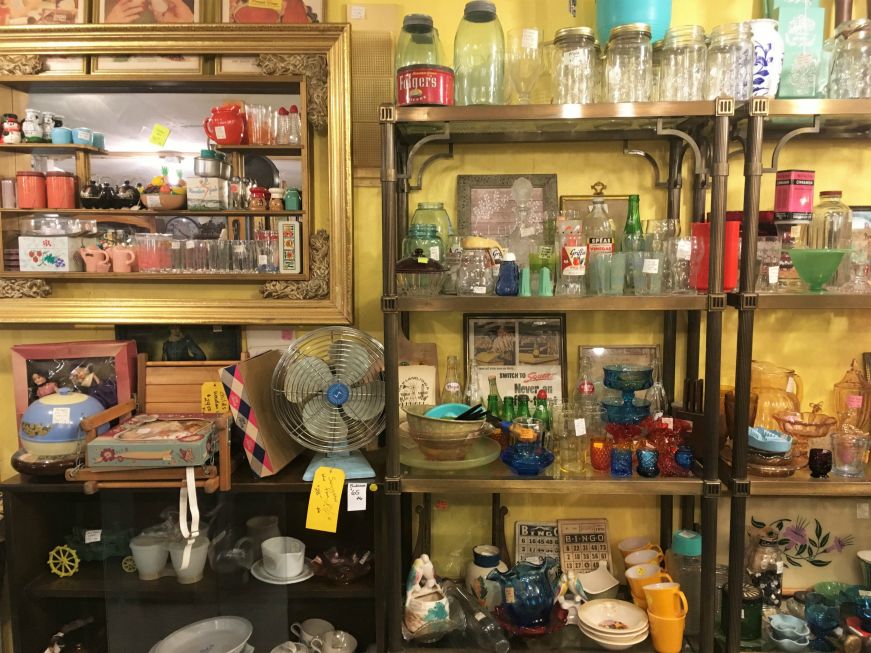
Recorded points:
(572, 252)
(584, 394)
(452, 392)
(598, 232)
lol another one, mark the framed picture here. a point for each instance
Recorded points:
(646, 355)
(525, 352)
(485, 205)
(230, 64)
(289, 247)
(147, 65)
(184, 342)
(148, 12)
(103, 369)
(273, 11)
(42, 12)
(616, 205)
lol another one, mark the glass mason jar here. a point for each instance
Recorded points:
(730, 62)
(475, 277)
(851, 63)
(830, 45)
(656, 70)
(479, 56)
(683, 64)
(576, 66)
(418, 42)
(425, 237)
(434, 213)
(628, 64)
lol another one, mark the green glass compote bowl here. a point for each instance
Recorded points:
(816, 267)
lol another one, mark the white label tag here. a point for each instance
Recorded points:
(780, 567)
(529, 38)
(358, 12)
(480, 616)
(479, 290)
(189, 244)
(795, 232)
(262, 259)
(220, 132)
(657, 415)
(93, 536)
(176, 244)
(684, 250)
(773, 274)
(356, 496)
(239, 249)
(152, 200)
(60, 415)
(434, 253)
(650, 266)
(526, 232)
(580, 426)
(668, 422)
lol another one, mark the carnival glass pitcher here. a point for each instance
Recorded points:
(778, 389)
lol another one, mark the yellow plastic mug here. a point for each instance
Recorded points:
(640, 575)
(644, 556)
(666, 600)
(631, 544)
(667, 634)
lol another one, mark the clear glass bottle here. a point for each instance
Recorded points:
(425, 237)
(472, 393)
(452, 392)
(572, 249)
(295, 126)
(453, 260)
(629, 64)
(682, 71)
(576, 66)
(434, 213)
(599, 234)
(683, 562)
(479, 56)
(729, 62)
(527, 240)
(584, 393)
(656, 393)
(831, 228)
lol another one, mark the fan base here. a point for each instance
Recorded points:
(354, 464)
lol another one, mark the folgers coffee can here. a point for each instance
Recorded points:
(425, 84)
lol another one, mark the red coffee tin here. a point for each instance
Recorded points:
(424, 84)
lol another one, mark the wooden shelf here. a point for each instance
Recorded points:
(48, 149)
(161, 277)
(124, 83)
(493, 304)
(98, 213)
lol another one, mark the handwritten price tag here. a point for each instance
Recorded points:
(159, 134)
(93, 536)
(356, 497)
(324, 500)
(213, 399)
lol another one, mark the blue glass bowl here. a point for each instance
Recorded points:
(628, 377)
(618, 412)
(526, 464)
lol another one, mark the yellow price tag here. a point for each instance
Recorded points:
(159, 134)
(213, 399)
(266, 4)
(325, 499)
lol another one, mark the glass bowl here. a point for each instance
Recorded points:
(816, 267)
(419, 276)
(342, 566)
(808, 424)
(628, 377)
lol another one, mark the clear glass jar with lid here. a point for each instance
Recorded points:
(851, 63)
(479, 56)
(682, 75)
(656, 70)
(730, 62)
(832, 228)
(475, 277)
(577, 66)
(424, 237)
(629, 64)
(434, 213)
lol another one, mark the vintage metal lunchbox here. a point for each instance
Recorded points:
(153, 441)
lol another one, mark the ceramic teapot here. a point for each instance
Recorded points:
(226, 125)
(96, 260)
(529, 591)
(126, 196)
(91, 195)
(50, 425)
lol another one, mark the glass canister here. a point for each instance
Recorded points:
(60, 189)
(421, 76)
(853, 398)
(425, 237)
(434, 213)
(849, 449)
(31, 189)
(479, 56)
(831, 228)
(682, 69)
(475, 277)
(764, 565)
(576, 66)
(729, 62)
(628, 64)
(851, 63)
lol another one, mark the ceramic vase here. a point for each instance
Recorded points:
(427, 612)
(488, 593)
(767, 57)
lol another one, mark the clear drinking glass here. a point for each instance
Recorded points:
(576, 66)
(851, 63)
(628, 64)
(572, 441)
(196, 256)
(259, 122)
(647, 272)
(153, 252)
(678, 266)
(607, 275)
(267, 250)
(219, 256)
(523, 57)
(176, 255)
(682, 67)
(768, 262)
(244, 255)
(729, 62)
(859, 259)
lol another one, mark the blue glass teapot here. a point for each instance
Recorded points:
(529, 591)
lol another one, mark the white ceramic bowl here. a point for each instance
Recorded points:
(599, 584)
(610, 616)
(614, 638)
(615, 646)
(228, 634)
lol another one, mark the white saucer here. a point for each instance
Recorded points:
(262, 575)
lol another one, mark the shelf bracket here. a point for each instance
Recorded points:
(739, 487)
(388, 304)
(661, 130)
(711, 489)
(748, 301)
(786, 138)
(717, 302)
(424, 528)
(444, 135)
(392, 485)
(500, 512)
(647, 156)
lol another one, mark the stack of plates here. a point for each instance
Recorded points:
(613, 625)
(226, 634)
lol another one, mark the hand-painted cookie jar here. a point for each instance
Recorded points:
(50, 425)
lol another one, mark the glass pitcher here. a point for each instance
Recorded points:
(529, 591)
(777, 389)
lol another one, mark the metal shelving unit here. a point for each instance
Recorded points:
(700, 128)
(782, 120)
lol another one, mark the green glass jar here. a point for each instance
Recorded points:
(434, 213)
(426, 238)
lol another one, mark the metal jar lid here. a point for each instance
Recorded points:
(573, 35)
(418, 21)
(480, 6)
(642, 29)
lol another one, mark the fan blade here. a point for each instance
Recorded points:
(366, 401)
(350, 361)
(323, 421)
(306, 377)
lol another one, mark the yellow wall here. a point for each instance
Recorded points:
(820, 344)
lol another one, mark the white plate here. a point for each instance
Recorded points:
(228, 634)
(262, 575)
(596, 615)
(611, 639)
(248, 648)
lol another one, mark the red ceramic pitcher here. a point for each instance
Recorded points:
(226, 125)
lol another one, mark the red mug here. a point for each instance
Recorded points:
(226, 125)
(700, 262)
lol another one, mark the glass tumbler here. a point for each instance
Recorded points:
(647, 272)
(244, 256)
(621, 459)
(176, 255)
(677, 277)
(153, 252)
(600, 453)
(851, 64)
(849, 446)
(196, 256)
(628, 64)
(219, 256)
(523, 57)
(729, 62)
(768, 262)
(607, 274)
(572, 441)
(682, 65)
(576, 66)
(859, 259)
(475, 277)
(267, 250)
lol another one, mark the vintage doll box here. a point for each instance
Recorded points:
(149, 441)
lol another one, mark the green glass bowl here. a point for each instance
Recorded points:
(816, 267)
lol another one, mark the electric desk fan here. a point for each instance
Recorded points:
(328, 394)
